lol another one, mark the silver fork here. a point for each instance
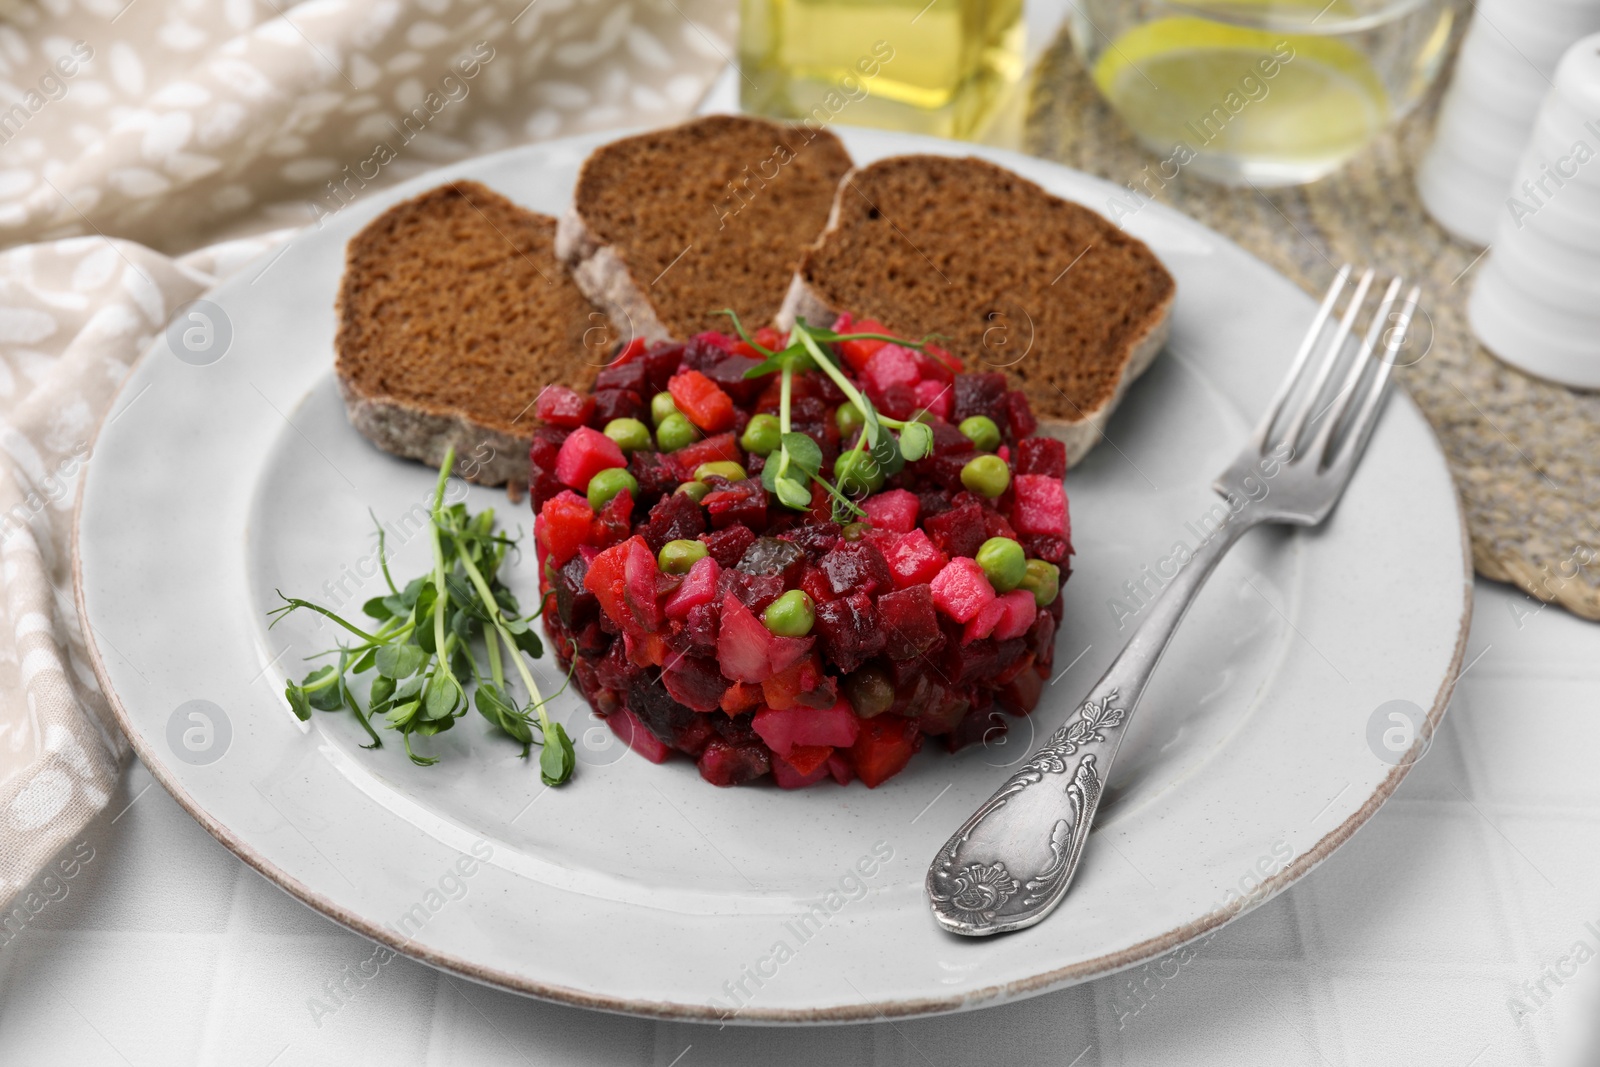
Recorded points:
(1009, 865)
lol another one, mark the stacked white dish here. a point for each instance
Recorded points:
(1536, 304)
(1505, 68)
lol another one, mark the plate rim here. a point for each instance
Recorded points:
(1095, 967)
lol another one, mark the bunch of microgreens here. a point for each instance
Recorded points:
(424, 648)
(798, 460)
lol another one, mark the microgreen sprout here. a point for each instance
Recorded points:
(425, 646)
(798, 460)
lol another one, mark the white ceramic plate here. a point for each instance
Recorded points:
(640, 888)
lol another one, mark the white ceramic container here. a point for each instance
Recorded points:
(1506, 66)
(1536, 303)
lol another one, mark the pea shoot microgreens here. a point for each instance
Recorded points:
(424, 647)
(798, 461)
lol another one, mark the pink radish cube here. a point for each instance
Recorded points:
(789, 778)
(984, 622)
(585, 453)
(1020, 611)
(891, 365)
(895, 510)
(631, 731)
(699, 587)
(1041, 505)
(937, 397)
(785, 652)
(783, 730)
(961, 589)
(743, 643)
(639, 576)
(913, 559)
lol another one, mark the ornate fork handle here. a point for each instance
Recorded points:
(1012, 861)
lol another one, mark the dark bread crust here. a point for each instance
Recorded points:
(1069, 307)
(670, 226)
(453, 314)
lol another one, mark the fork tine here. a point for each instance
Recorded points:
(1345, 398)
(1335, 348)
(1275, 406)
(1366, 418)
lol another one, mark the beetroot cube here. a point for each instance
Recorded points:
(632, 733)
(631, 375)
(560, 406)
(959, 531)
(850, 631)
(894, 510)
(1042, 455)
(961, 589)
(694, 682)
(700, 626)
(910, 627)
(889, 366)
(742, 503)
(656, 474)
(898, 401)
(1040, 505)
(1043, 546)
(676, 518)
(585, 453)
(950, 441)
(1019, 416)
(728, 546)
(661, 363)
(755, 591)
(617, 404)
(669, 721)
(724, 764)
(575, 605)
(543, 484)
(914, 560)
(855, 567)
(728, 374)
(974, 661)
(982, 394)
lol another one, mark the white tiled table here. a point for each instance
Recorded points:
(1406, 948)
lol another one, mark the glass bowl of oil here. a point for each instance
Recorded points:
(1260, 92)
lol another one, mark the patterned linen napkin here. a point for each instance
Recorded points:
(150, 147)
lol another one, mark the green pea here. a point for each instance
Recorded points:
(676, 557)
(982, 432)
(855, 531)
(722, 468)
(857, 473)
(762, 436)
(631, 435)
(675, 432)
(695, 491)
(1002, 559)
(791, 615)
(986, 475)
(608, 483)
(869, 691)
(850, 419)
(662, 405)
(1043, 580)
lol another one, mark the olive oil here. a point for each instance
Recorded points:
(942, 67)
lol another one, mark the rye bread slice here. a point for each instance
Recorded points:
(670, 226)
(453, 314)
(1069, 307)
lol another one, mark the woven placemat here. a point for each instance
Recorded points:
(1525, 453)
